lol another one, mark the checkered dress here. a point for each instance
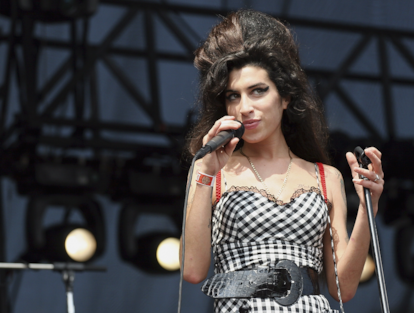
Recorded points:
(250, 228)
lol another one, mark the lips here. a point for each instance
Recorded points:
(251, 124)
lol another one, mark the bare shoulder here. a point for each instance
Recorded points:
(332, 174)
(305, 165)
(335, 180)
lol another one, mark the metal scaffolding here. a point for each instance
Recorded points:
(20, 138)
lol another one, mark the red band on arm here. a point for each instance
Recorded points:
(218, 186)
(323, 182)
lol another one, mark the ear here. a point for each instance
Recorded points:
(285, 102)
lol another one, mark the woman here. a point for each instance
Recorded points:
(268, 207)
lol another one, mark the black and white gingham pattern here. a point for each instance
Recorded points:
(314, 304)
(250, 230)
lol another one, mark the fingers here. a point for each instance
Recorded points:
(225, 123)
(374, 175)
(375, 187)
(353, 163)
(374, 151)
(229, 148)
(375, 156)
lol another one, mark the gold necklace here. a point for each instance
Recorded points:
(261, 180)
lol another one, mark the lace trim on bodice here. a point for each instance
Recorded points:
(272, 198)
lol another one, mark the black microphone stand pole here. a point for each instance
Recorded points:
(364, 161)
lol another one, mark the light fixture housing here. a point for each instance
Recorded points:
(48, 243)
(142, 250)
(70, 243)
(148, 254)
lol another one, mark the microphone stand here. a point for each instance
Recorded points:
(68, 274)
(363, 162)
(68, 278)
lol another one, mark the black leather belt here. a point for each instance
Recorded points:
(285, 282)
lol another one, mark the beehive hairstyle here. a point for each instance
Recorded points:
(248, 37)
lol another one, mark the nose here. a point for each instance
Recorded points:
(246, 105)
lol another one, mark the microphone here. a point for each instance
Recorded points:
(361, 157)
(221, 139)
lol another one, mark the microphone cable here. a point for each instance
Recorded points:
(221, 138)
(190, 177)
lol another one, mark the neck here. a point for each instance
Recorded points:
(269, 150)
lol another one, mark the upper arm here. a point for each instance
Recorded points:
(338, 216)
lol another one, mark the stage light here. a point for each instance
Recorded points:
(155, 252)
(368, 271)
(65, 241)
(168, 254)
(69, 243)
(80, 245)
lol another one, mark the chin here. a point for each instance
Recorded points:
(253, 139)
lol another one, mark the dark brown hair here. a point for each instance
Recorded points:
(249, 37)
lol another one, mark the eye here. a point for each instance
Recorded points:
(259, 91)
(232, 96)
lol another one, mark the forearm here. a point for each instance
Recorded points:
(198, 236)
(351, 262)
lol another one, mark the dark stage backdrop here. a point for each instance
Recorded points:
(124, 288)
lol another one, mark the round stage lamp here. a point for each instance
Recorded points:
(368, 270)
(80, 245)
(70, 243)
(156, 253)
(168, 254)
(65, 240)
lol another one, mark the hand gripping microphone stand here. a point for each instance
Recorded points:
(364, 161)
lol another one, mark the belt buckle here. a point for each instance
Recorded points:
(296, 283)
(275, 283)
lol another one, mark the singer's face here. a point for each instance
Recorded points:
(255, 101)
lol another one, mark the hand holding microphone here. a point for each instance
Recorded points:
(214, 140)
(221, 139)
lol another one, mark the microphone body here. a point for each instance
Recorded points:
(361, 157)
(221, 139)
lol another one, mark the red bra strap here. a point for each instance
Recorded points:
(323, 182)
(218, 186)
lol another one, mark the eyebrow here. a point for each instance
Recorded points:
(250, 87)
